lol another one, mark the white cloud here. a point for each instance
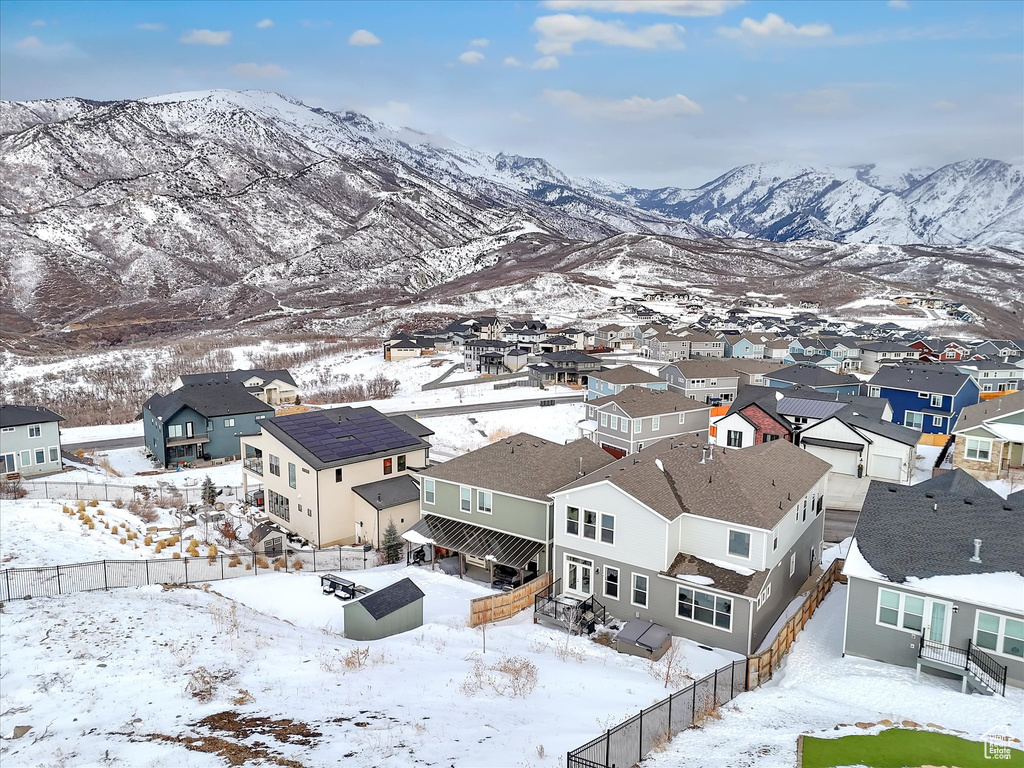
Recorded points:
(38, 23)
(774, 26)
(666, 7)
(33, 46)
(205, 37)
(261, 71)
(545, 62)
(363, 37)
(633, 109)
(512, 61)
(899, 5)
(480, 42)
(559, 33)
(30, 43)
(265, 24)
(944, 106)
(158, 26)
(472, 58)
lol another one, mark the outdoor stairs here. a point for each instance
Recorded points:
(978, 671)
(575, 615)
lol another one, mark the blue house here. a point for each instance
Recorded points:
(198, 422)
(747, 345)
(815, 377)
(611, 381)
(925, 398)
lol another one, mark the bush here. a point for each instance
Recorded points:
(94, 503)
(356, 658)
(12, 489)
(296, 565)
(512, 676)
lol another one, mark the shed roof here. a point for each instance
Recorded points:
(384, 602)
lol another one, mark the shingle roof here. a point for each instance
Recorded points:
(220, 398)
(958, 483)
(936, 529)
(386, 601)
(522, 465)
(920, 379)
(886, 346)
(975, 415)
(626, 374)
(709, 368)
(756, 486)
(570, 356)
(813, 375)
(725, 579)
(877, 426)
(17, 415)
(392, 492)
(638, 402)
(238, 376)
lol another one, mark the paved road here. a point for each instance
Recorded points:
(839, 524)
(421, 413)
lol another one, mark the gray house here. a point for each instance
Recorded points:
(611, 381)
(389, 611)
(711, 544)
(201, 421)
(949, 599)
(709, 380)
(637, 416)
(29, 441)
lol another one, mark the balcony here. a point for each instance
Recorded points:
(189, 440)
(254, 465)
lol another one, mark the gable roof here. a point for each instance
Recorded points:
(384, 602)
(626, 374)
(570, 356)
(920, 378)
(813, 375)
(218, 398)
(18, 415)
(638, 402)
(976, 415)
(522, 465)
(877, 426)
(958, 483)
(707, 368)
(240, 375)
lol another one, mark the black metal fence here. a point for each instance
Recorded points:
(631, 741)
(46, 581)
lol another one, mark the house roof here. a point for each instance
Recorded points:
(725, 579)
(240, 375)
(756, 486)
(638, 402)
(886, 346)
(920, 378)
(340, 436)
(219, 398)
(987, 410)
(708, 368)
(17, 415)
(522, 465)
(559, 341)
(386, 601)
(813, 375)
(391, 492)
(935, 525)
(570, 356)
(877, 426)
(626, 374)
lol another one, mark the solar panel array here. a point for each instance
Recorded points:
(356, 434)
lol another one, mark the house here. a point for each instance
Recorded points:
(570, 367)
(611, 381)
(924, 398)
(637, 416)
(492, 507)
(701, 344)
(825, 362)
(201, 422)
(1009, 350)
(994, 377)
(397, 348)
(385, 612)
(990, 439)
(581, 338)
(270, 387)
(860, 444)
(944, 350)
(712, 381)
(666, 346)
(475, 350)
(748, 345)
(949, 599)
(555, 344)
(337, 476)
(614, 336)
(777, 349)
(710, 544)
(876, 354)
(753, 372)
(29, 441)
(817, 378)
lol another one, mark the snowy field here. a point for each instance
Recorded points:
(262, 670)
(454, 435)
(817, 689)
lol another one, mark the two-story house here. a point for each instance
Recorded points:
(582, 339)
(748, 345)
(478, 353)
(29, 441)
(611, 381)
(814, 377)
(337, 476)
(270, 387)
(199, 422)
(569, 367)
(638, 416)
(990, 438)
(994, 377)
(876, 354)
(615, 336)
(926, 398)
(935, 581)
(940, 350)
(712, 381)
(492, 506)
(710, 544)
(701, 344)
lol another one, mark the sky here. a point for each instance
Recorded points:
(647, 92)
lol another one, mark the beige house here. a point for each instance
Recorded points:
(990, 439)
(337, 476)
(271, 387)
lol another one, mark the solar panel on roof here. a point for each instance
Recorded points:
(360, 433)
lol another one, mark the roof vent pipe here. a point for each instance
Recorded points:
(977, 551)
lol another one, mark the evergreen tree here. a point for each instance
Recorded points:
(391, 544)
(209, 492)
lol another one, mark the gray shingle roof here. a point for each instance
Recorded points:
(918, 378)
(813, 375)
(876, 426)
(386, 601)
(639, 402)
(18, 415)
(724, 578)
(237, 376)
(626, 374)
(710, 368)
(219, 398)
(975, 415)
(392, 492)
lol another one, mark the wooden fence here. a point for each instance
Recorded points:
(763, 665)
(504, 605)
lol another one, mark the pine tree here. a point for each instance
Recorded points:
(209, 493)
(391, 544)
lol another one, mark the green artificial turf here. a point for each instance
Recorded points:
(902, 748)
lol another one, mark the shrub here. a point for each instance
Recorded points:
(113, 530)
(148, 541)
(12, 489)
(119, 503)
(80, 506)
(356, 658)
(123, 540)
(176, 556)
(280, 563)
(296, 565)
(234, 562)
(261, 562)
(94, 503)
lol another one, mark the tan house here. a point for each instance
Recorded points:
(990, 438)
(337, 476)
(270, 387)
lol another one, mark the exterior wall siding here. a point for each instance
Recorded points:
(14, 444)
(360, 625)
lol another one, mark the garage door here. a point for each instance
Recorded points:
(843, 462)
(887, 467)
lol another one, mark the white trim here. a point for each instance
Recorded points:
(695, 588)
(632, 589)
(1000, 635)
(618, 582)
(432, 491)
(546, 500)
(900, 611)
(600, 528)
(29, 431)
(565, 573)
(479, 508)
(488, 527)
(6, 430)
(750, 542)
(469, 499)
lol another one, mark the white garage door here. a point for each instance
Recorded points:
(843, 462)
(887, 467)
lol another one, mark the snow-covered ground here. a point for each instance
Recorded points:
(70, 435)
(104, 677)
(454, 435)
(817, 689)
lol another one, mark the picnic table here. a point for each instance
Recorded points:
(343, 589)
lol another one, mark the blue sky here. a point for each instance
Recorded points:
(664, 92)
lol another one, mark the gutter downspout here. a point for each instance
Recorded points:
(319, 540)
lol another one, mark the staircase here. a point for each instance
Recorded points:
(569, 613)
(979, 671)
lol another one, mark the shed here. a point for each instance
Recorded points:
(396, 608)
(643, 638)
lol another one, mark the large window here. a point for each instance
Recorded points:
(174, 430)
(704, 608)
(7, 463)
(291, 475)
(275, 464)
(734, 438)
(484, 502)
(572, 521)
(1000, 634)
(913, 419)
(611, 582)
(899, 610)
(640, 590)
(465, 495)
(739, 543)
(589, 524)
(428, 490)
(278, 505)
(978, 448)
(607, 528)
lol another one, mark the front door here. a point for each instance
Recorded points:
(189, 429)
(579, 576)
(937, 629)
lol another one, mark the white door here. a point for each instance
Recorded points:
(886, 467)
(938, 622)
(579, 576)
(843, 462)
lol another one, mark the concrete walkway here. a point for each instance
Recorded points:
(846, 491)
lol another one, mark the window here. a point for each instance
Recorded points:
(937, 421)
(589, 524)
(805, 509)
(611, 582)
(765, 594)
(1000, 634)
(572, 521)
(278, 505)
(734, 438)
(305, 471)
(209, 426)
(604, 419)
(401, 463)
(40, 455)
(640, 590)
(901, 611)
(936, 401)
(174, 430)
(428, 490)
(637, 425)
(656, 423)
(613, 422)
(275, 465)
(7, 463)
(739, 544)
(767, 438)
(261, 417)
(291, 475)
(229, 422)
(913, 419)
(697, 382)
(874, 391)
(775, 538)
(6, 429)
(624, 425)
(464, 498)
(54, 454)
(338, 474)
(484, 502)
(682, 419)
(792, 564)
(607, 528)
(387, 466)
(35, 430)
(922, 394)
(705, 608)
(26, 458)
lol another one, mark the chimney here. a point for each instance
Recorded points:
(977, 551)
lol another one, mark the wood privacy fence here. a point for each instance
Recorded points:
(763, 665)
(504, 605)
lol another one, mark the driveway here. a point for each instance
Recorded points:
(846, 491)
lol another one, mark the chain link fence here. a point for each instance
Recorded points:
(163, 493)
